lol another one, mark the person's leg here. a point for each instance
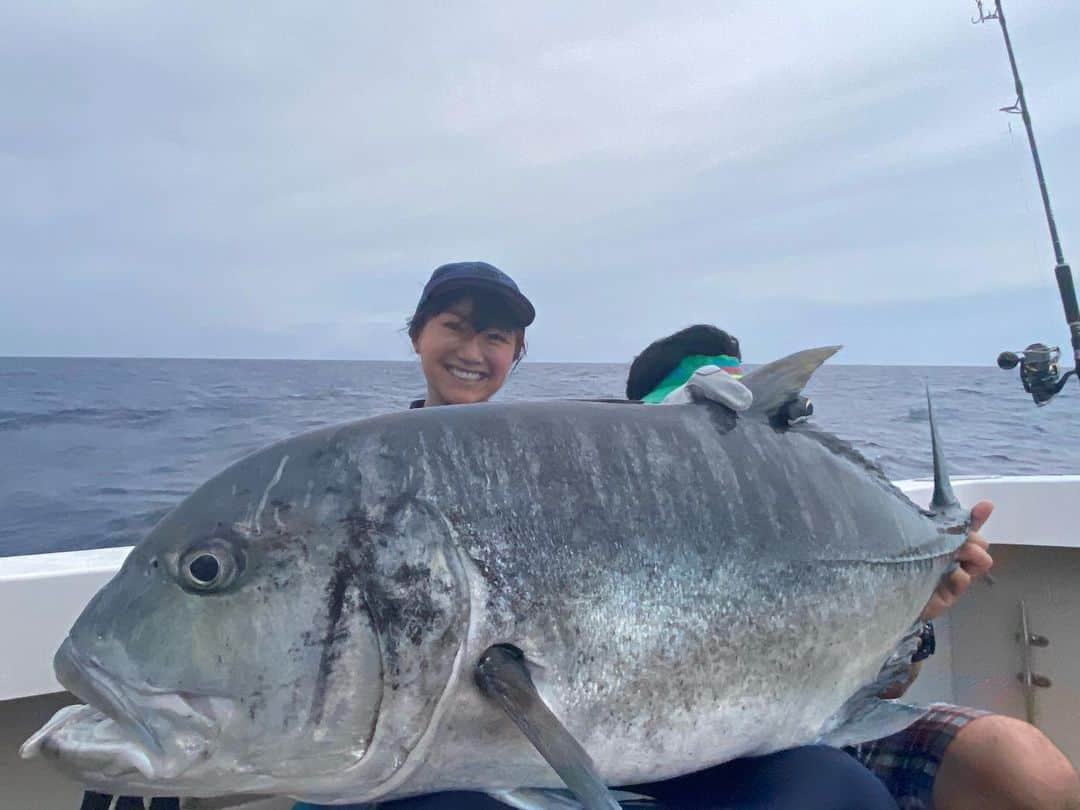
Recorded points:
(907, 762)
(92, 800)
(808, 778)
(450, 800)
(1001, 762)
(956, 757)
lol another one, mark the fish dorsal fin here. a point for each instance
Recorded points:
(776, 384)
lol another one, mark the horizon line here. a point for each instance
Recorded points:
(177, 358)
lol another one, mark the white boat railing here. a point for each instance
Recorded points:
(41, 595)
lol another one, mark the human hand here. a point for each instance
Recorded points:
(975, 561)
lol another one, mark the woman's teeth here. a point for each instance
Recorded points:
(462, 374)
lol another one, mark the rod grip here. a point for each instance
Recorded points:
(1068, 293)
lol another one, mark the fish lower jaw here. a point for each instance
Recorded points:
(82, 739)
(90, 744)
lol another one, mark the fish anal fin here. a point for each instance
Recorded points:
(871, 719)
(866, 716)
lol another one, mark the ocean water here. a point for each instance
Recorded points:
(93, 452)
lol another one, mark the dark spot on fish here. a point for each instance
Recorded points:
(411, 606)
(358, 526)
(344, 572)
(369, 573)
(408, 574)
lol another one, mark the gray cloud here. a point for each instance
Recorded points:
(217, 182)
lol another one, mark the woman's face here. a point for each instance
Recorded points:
(462, 365)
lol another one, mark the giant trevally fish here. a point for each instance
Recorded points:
(381, 609)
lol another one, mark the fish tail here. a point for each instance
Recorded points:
(944, 503)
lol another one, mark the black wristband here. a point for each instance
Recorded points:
(927, 643)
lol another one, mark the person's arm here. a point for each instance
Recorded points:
(975, 561)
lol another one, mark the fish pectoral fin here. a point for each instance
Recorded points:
(540, 799)
(502, 676)
(222, 802)
(870, 719)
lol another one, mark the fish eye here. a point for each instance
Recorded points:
(204, 569)
(209, 568)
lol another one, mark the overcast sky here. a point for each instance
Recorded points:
(278, 180)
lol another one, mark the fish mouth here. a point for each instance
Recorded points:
(123, 728)
(91, 683)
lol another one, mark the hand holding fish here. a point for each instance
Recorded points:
(975, 561)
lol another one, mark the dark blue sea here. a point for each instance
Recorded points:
(93, 452)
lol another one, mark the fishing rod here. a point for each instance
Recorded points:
(1039, 363)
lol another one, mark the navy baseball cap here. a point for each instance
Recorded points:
(479, 274)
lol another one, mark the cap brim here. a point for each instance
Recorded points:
(518, 303)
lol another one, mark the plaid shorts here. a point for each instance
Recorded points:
(908, 760)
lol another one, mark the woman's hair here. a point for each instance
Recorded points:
(489, 311)
(658, 358)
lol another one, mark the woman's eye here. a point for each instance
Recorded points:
(498, 337)
(453, 326)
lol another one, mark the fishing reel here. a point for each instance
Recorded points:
(1039, 370)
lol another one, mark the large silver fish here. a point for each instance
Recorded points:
(648, 590)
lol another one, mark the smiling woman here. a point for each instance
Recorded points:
(469, 332)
